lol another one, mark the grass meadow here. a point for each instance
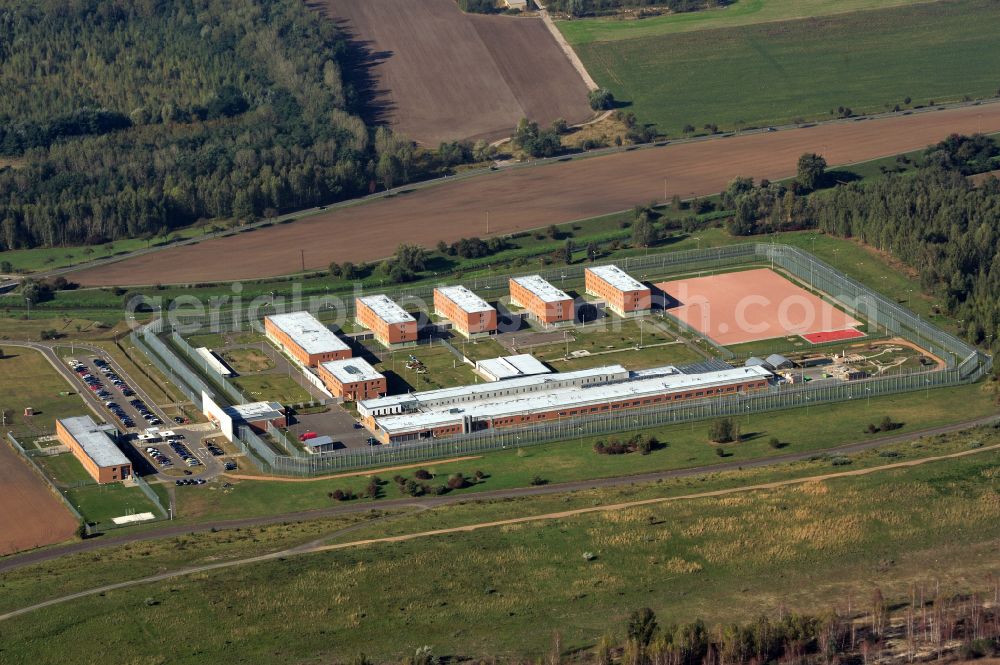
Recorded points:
(28, 380)
(686, 446)
(503, 591)
(791, 71)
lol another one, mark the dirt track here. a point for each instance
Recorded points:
(441, 74)
(532, 197)
(545, 517)
(30, 516)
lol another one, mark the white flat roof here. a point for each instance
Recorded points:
(541, 288)
(306, 331)
(467, 300)
(213, 361)
(474, 391)
(352, 370)
(256, 411)
(386, 309)
(95, 441)
(523, 364)
(618, 278)
(669, 380)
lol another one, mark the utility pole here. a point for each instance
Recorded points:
(487, 222)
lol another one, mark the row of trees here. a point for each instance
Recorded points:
(596, 7)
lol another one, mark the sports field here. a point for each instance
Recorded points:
(788, 71)
(521, 199)
(441, 74)
(751, 305)
(30, 514)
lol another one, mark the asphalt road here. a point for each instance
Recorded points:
(170, 531)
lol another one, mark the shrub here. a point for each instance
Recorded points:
(601, 99)
(413, 488)
(457, 481)
(840, 461)
(480, 475)
(538, 480)
(774, 442)
(422, 474)
(724, 430)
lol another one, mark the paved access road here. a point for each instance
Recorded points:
(171, 531)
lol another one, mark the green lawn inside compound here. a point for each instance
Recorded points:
(792, 71)
(100, 503)
(443, 368)
(812, 429)
(738, 13)
(64, 469)
(797, 548)
(273, 387)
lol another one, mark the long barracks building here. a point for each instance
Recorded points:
(625, 295)
(303, 337)
(531, 399)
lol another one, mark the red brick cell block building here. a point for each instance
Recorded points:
(391, 324)
(544, 302)
(470, 315)
(625, 295)
(303, 337)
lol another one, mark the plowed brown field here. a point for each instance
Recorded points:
(441, 74)
(533, 197)
(30, 516)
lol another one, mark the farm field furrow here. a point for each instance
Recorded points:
(528, 198)
(441, 74)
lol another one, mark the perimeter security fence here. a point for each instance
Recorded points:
(885, 317)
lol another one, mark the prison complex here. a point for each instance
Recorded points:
(625, 295)
(304, 338)
(352, 379)
(469, 314)
(391, 324)
(94, 446)
(544, 302)
(531, 399)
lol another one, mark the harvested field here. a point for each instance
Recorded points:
(30, 515)
(441, 74)
(747, 306)
(529, 198)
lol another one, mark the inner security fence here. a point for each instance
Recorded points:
(886, 318)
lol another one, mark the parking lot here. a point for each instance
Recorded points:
(120, 401)
(338, 423)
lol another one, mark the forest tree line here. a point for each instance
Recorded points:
(130, 118)
(934, 220)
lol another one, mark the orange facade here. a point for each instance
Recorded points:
(385, 332)
(467, 323)
(354, 390)
(548, 312)
(622, 302)
(291, 347)
(102, 474)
